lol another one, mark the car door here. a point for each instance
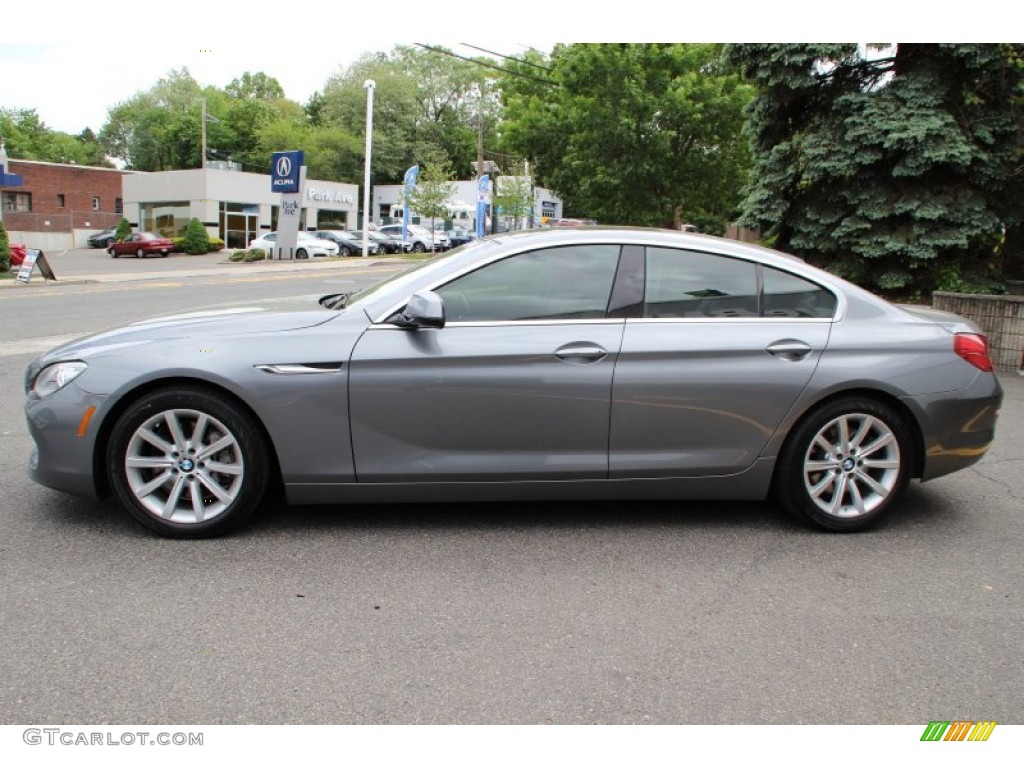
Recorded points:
(718, 355)
(515, 386)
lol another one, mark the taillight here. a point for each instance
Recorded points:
(973, 348)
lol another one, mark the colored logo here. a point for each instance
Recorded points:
(958, 730)
(284, 171)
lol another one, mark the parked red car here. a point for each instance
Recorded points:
(17, 251)
(141, 244)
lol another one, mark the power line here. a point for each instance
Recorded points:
(488, 66)
(510, 58)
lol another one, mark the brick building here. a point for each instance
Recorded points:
(59, 205)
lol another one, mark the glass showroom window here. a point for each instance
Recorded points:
(166, 219)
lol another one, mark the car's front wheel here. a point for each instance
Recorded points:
(418, 247)
(112, 252)
(845, 464)
(140, 253)
(188, 462)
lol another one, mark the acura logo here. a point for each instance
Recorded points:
(284, 166)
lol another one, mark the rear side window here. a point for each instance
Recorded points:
(787, 295)
(692, 284)
(569, 283)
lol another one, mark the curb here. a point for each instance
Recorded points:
(221, 268)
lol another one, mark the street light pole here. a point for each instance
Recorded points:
(369, 85)
(202, 131)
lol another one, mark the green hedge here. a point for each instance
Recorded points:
(216, 244)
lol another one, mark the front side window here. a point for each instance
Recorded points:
(568, 283)
(692, 284)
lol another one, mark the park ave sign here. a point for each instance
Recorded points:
(326, 196)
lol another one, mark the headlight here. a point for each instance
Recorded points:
(54, 377)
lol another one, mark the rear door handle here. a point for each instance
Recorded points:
(581, 353)
(789, 349)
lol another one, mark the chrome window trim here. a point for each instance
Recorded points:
(646, 241)
(733, 320)
(382, 326)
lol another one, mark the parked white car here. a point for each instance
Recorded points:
(419, 238)
(305, 246)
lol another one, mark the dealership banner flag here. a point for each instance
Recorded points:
(411, 177)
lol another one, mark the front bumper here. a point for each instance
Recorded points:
(63, 458)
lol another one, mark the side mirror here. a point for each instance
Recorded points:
(424, 310)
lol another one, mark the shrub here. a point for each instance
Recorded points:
(5, 249)
(124, 228)
(196, 239)
(253, 254)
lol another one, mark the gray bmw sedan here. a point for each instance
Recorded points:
(589, 363)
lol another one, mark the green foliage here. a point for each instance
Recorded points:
(216, 244)
(433, 190)
(5, 249)
(29, 138)
(124, 229)
(514, 194)
(893, 166)
(196, 240)
(645, 134)
(250, 255)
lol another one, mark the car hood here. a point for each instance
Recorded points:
(207, 324)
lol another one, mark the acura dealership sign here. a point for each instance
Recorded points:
(284, 171)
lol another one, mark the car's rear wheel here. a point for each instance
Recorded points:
(419, 247)
(112, 252)
(188, 462)
(301, 254)
(845, 464)
(139, 253)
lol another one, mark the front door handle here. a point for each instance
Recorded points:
(789, 349)
(581, 353)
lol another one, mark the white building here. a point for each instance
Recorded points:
(233, 205)
(387, 204)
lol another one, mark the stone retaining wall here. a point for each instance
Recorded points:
(1002, 318)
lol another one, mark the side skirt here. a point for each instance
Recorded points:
(750, 485)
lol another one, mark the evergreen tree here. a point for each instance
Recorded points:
(5, 249)
(890, 165)
(196, 240)
(124, 229)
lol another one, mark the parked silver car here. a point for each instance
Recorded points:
(583, 363)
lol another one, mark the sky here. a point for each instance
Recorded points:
(72, 62)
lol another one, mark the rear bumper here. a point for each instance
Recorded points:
(957, 428)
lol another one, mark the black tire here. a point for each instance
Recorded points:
(419, 247)
(108, 243)
(112, 252)
(202, 419)
(301, 254)
(855, 484)
(139, 254)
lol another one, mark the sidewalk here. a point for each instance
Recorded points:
(82, 266)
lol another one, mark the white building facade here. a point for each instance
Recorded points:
(233, 205)
(387, 205)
